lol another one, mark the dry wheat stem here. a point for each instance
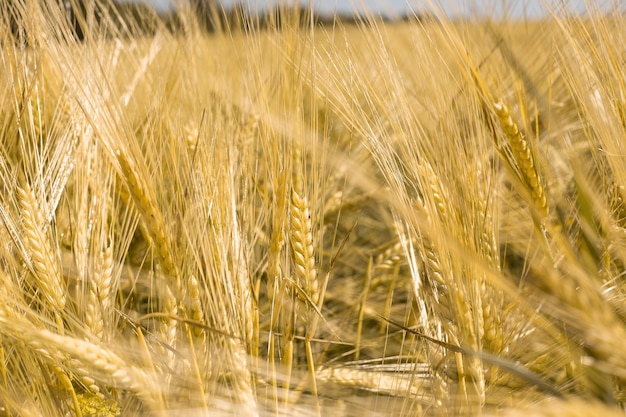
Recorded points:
(362, 302)
(310, 360)
(67, 385)
(276, 283)
(434, 192)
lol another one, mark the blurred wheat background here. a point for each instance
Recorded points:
(210, 213)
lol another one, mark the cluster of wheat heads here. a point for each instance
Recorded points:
(421, 218)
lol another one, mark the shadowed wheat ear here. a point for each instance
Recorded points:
(90, 360)
(196, 311)
(277, 240)
(100, 296)
(524, 160)
(242, 387)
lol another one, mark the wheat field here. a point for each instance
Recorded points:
(421, 217)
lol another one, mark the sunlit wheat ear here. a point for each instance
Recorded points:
(47, 273)
(155, 227)
(524, 160)
(152, 218)
(302, 241)
(449, 292)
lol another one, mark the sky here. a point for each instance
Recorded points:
(495, 8)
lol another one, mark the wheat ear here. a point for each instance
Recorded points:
(492, 299)
(196, 311)
(155, 227)
(278, 234)
(304, 256)
(87, 358)
(45, 264)
(100, 292)
(302, 242)
(243, 388)
(153, 219)
(387, 383)
(524, 159)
